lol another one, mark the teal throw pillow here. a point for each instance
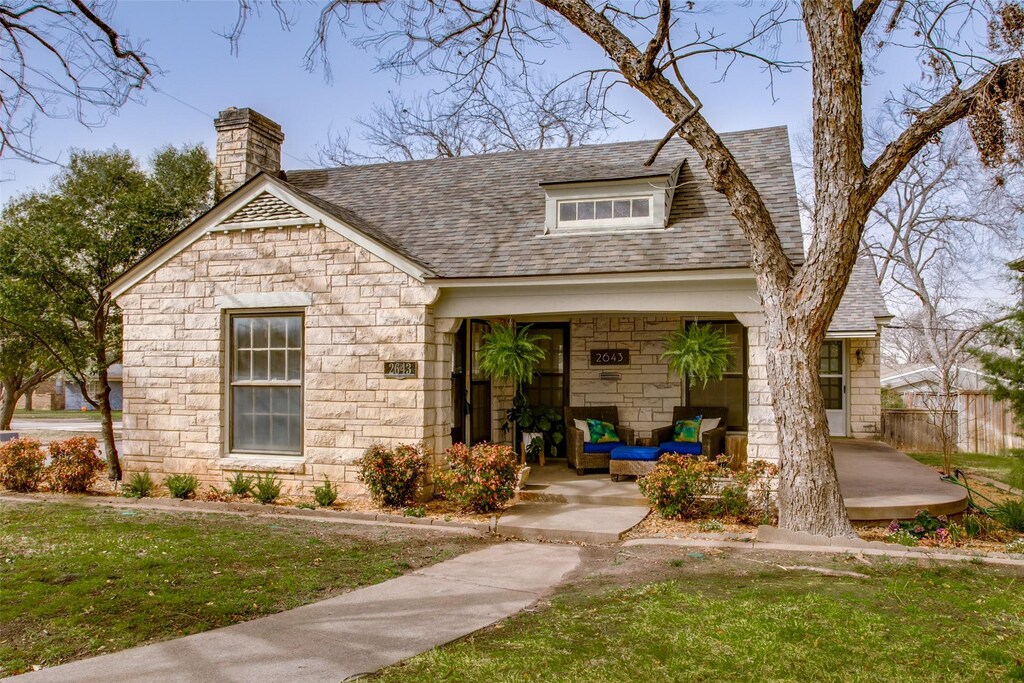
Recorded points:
(687, 431)
(602, 432)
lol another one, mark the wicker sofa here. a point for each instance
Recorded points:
(578, 457)
(712, 444)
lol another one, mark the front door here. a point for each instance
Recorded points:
(832, 377)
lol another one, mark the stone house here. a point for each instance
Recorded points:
(312, 313)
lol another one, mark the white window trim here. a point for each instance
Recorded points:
(654, 189)
(613, 222)
(268, 456)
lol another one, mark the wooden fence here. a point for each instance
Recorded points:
(983, 425)
(913, 429)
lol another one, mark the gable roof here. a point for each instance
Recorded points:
(862, 305)
(927, 377)
(483, 216)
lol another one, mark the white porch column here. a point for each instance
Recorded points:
(762, 428)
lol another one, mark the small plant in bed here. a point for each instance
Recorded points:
(924, 525)
(1010, 514)
(325, 494)
(182, 486)
(140, 485)
(240, 485)
(22, 465)
(480, 479)
(266, 488)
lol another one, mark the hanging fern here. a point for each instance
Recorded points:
(700, 352)
(510, 353)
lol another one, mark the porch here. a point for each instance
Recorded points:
(877, 483)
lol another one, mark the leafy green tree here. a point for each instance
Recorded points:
(60, 249)
(24, 365)
(1002, 359)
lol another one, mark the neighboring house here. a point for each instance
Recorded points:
(983, 424)
(312, 313)
(73, 399)
(44, 396)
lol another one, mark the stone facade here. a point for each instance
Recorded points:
(864, 394)
(362, 311)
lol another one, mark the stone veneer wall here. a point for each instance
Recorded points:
(865, 392)
(363, 312)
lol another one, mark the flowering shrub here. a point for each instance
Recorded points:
(392, 474)
(686, 487)
(678, 484)
(924, 525)
(74, 465)
(22, 465)
(482, 478)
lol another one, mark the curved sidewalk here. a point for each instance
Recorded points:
(880, 483)
(349, 635)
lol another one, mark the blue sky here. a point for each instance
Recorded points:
(200, 77)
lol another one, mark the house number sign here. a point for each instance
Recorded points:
(609, 357)
(400, 369)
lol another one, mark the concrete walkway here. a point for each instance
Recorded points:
(880, 483)
(352, 634)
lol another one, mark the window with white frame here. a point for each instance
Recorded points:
(266, 383)
(623, 211)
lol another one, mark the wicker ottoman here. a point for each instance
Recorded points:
(635, 461)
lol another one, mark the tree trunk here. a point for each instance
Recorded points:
(28, 399)
(113, 464)
(809, 497)
(10, 400)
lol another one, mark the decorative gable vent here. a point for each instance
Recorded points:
(266, 210)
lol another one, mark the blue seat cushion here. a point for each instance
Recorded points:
(636, 453)
(606, 447)
(681, 447)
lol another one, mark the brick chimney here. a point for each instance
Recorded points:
(247, 143)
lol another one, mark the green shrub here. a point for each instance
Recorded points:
(391, 475)
(678, 484)
(140, 485)
(240, 484)
(22, 465)
(482, 478)
(325, 494)
(266, 488)
(74, 465)
(415, 511)
(182, 485)
(1010, 514)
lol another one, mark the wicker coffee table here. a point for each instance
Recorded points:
(634, 461)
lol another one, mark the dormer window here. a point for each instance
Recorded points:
(616, 204)
(624, 211)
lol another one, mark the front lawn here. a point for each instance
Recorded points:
(996, 467)
(753, 618)
(82, 581)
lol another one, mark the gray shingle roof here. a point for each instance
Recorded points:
(862, 301)
(483, 216)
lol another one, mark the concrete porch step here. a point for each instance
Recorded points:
(565, 494)
(570, 522)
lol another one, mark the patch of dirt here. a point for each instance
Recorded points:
(657, 526)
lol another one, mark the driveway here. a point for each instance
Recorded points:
(61, 425)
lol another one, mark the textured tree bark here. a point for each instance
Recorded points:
(9, 401)
(113, 463)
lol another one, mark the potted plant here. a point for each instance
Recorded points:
(511, 353)
(699, 351)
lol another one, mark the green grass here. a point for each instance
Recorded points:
(79, 581)
(62, 415)
(901, 624)
(996, 467)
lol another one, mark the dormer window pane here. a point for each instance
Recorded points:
(586, 211)
(622, 209)
(567, 211)
(603, 210)
(641, 207)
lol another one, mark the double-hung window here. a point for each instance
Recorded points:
(266, 383)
